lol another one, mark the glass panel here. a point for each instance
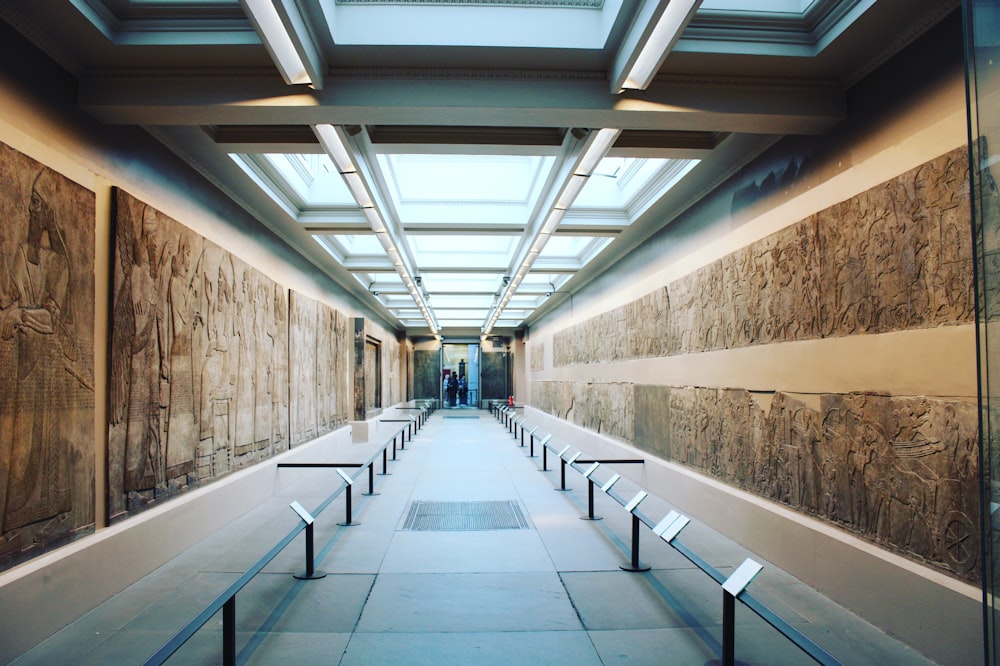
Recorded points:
(461, 282)
(983, 54)
(459, 362)
(364, 244)
(470, 249)
(463, 177)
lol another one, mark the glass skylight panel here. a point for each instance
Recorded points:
(612, 167)
(571, 24)
(389, 282)
(578, 248)
(469, 178)
(759, 6)
(461, 323)
(465, 301)
(447, 313)
(461, 282)
(458, 250)
(359, 244)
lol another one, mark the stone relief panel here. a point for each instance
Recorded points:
(536, 350)
(391, 372)
(648, 325)
(596, 340)
(47, 437)
(198, 382)
(493, 372)
(425, 374)
(608, 409)
(903, 258)
(373, 373)
(901, 472)
(318, 353)
(407, 354)
(895, 257)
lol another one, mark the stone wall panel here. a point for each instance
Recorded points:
(900, 471)
(895, 257)
(318, 352)
(47, 246)
(198, 360)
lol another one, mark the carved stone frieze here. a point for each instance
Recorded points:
(46, 358)
(536, 351)
(493, 373)
(426, 370)
(899, 471)
(319, 394)
(605, 408)
(198, 381)
(895, 257)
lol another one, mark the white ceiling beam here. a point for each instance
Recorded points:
(657, 26)
(757, 106)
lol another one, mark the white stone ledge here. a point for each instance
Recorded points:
(934, 362)
(41, 596)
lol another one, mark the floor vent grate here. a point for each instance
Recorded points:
(465, 516)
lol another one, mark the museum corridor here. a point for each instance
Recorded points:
(542, 588)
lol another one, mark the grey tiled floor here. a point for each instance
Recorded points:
(552, 594)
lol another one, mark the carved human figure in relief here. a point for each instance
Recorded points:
(138, 356)
(182, 431)
(245, 363)
(36, 486)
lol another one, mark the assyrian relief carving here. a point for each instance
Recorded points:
(392, 380)
(605, 408)
(899, 471)
(46, 359)
(373, 373)
(895, 257)
(536, 352)
(198, 380)
(318, 353)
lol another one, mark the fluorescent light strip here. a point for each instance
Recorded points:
(599, 143)
(335, 144)
(669, 27)
(603, 139)
(356, 184)
(570, 190)
(374, 220)
(553, 220)
(277, 41)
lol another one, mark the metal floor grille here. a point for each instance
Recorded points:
(465, 516)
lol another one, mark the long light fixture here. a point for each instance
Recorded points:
(336, 145)
(287, 38)
(596, 147)
(657, 26)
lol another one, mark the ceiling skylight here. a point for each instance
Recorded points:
(463, 221)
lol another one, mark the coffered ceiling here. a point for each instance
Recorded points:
(463, 166)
